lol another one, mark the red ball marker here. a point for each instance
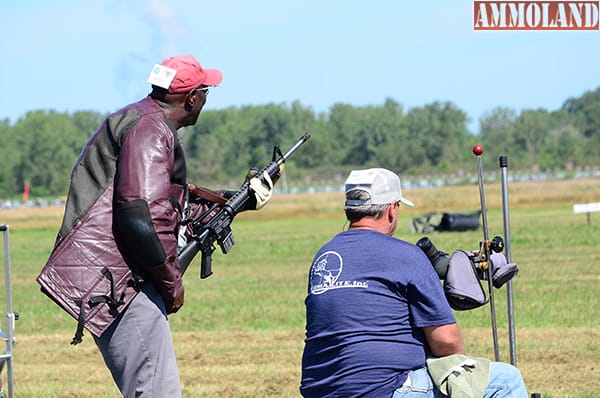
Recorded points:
(478, 150)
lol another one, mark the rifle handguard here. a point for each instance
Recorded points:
(217, 227)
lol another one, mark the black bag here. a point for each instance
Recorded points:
(460, 221)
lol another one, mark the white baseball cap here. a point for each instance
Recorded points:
(382, 185)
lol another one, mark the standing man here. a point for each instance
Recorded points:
(376, 309)
(114, 266)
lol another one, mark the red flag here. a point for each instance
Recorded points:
(26, 192)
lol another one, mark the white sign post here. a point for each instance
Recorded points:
(586, 208)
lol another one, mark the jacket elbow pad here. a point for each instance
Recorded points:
(136, 237)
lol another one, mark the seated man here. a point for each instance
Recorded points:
(376, 310)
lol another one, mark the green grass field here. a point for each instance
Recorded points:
(240, 333)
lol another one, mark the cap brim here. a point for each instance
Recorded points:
(213, 77)
(406, 202)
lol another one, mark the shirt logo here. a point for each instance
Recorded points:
(325, 272)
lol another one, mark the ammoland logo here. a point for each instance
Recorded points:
(536, 15)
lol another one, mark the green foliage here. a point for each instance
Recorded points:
(436, 134)
(585, 112)
(41, 148)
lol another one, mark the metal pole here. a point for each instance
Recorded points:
(503, 160)
(477, 151)
(10, 316)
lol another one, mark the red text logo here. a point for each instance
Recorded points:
(536, 15)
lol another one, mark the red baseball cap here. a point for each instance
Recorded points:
(189, 74)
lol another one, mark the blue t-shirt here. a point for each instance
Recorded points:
(368, 296)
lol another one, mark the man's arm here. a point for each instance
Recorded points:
(444, 340)
(145, 217)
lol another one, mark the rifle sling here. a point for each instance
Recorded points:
(207, 194)
(111, 300)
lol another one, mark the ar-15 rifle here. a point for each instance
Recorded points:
(214, 225)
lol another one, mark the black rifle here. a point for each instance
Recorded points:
(214, 225)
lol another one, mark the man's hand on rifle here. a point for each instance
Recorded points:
(262, 189)
(254, 194)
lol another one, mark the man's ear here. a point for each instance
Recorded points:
(192, 97)
(190, 100)
(391, 213)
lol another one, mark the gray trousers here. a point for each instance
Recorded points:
(138, 349)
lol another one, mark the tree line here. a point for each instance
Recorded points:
(40, 148)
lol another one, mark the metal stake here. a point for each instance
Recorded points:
(503, 160)
(477, 151)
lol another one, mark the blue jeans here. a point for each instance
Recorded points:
(505, 382)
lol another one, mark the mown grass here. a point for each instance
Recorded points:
(240, 332)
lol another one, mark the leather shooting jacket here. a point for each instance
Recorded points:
(133, 158)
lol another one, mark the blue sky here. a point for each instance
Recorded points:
(71, 55)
